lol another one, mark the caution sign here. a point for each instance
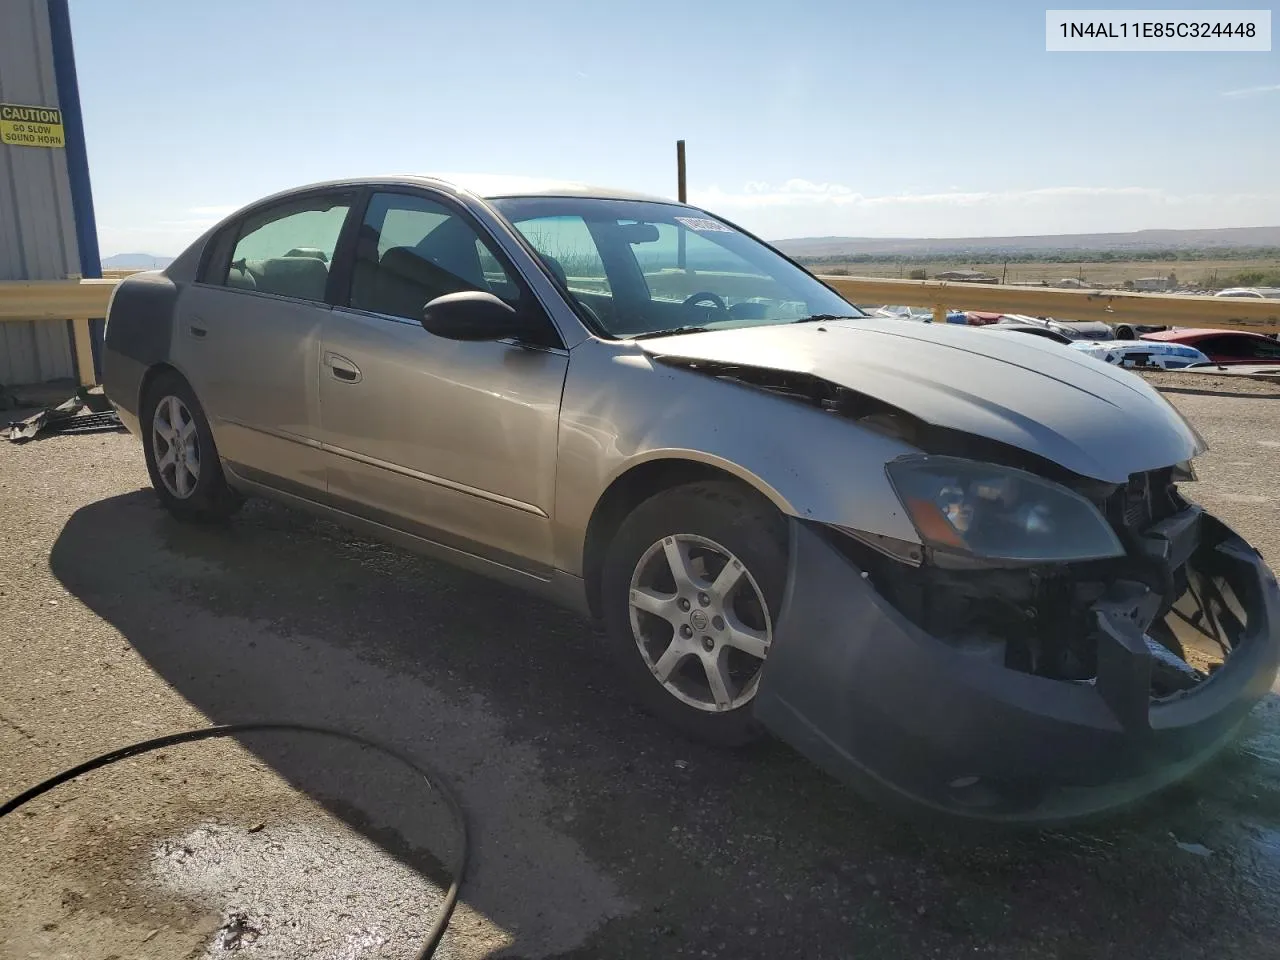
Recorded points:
(23, 126)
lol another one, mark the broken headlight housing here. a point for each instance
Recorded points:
(999, 513)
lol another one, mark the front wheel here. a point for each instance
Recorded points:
(691, 590)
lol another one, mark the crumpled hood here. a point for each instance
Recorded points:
(1042, 397)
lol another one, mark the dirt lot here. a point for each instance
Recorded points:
(598, 833)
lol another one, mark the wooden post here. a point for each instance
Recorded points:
(84, 351)
(939, 313)
(681, 193)
(683, 196)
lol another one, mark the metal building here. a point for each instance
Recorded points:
(46, 208)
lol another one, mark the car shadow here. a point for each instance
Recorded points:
(597, 831)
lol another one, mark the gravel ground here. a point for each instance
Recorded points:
(597, 832)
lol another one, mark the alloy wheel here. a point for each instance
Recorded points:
(700, 621)
(175, 443)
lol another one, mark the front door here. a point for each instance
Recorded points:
(454, 441)
(248, 338)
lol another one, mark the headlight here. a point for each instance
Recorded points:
(999, 513)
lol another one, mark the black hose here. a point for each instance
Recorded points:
(433, 780)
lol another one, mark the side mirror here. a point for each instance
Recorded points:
(471, 315)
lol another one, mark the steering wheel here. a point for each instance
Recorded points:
(708, 297)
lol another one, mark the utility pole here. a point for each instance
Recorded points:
(683, 196)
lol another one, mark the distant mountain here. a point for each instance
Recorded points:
(1119, 242)
(135, 261)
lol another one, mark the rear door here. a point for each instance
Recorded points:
(453, 441)
(248, 337)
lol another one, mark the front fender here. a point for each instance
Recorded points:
(621, 410)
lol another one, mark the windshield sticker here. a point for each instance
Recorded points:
(703, 225)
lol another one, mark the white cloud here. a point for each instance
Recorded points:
(1252, 91)
(803, 208)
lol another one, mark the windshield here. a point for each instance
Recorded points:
(638, 268)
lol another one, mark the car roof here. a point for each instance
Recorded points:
(494, 186)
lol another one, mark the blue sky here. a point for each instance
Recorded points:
(801, 118)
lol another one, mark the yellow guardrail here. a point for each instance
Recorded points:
(1111, 306)
(79, 300)
(74, 300)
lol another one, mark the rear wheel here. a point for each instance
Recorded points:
(1125, 333)
(181, 456)
(691, 590)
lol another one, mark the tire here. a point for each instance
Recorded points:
(205, 495)
(706, 524)
(1125, 333)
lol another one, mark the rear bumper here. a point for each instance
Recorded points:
(866, 694)
(122, 383)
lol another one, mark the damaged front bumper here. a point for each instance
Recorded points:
(877, 701)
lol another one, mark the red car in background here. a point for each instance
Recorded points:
(976, 318)
(1224, 347)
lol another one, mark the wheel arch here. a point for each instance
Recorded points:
(640, 481)
(154, 372)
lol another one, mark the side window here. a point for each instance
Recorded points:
(1265, 349)
(287, 250)
(495, 275)
(411, 250)
(404, 226)
(567, 247)
(1221, 346)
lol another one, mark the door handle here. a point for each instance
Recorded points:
(198, 332)
(340, 368)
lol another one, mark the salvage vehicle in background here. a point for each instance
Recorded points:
(977, 318)
(1074, 329)
(1142, 354)
(1071, 329)
(1132, 331)
(918, 314)
(1223, 347)
(1041, 330)
(955, 568)
(1255, 293)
